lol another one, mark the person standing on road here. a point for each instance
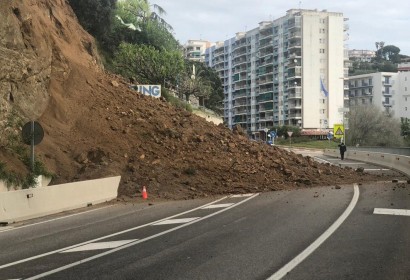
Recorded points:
(342, 148)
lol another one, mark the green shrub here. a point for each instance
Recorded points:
(175, 101)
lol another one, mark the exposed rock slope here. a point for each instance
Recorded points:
(96, 127)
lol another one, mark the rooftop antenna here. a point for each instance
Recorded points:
(246, 27)
(300, 3)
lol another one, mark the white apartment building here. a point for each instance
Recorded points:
(195, 49)
(362, 55)
(288, 71)
(387, 91)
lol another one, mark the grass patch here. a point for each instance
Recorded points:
(11, 141)
(177, 102)
(314, 144)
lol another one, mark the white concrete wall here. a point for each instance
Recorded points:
(41, 182)
(396, 162)
(36, 202)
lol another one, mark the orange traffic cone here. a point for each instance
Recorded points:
(144, 193)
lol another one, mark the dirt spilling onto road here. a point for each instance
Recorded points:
(97, 127)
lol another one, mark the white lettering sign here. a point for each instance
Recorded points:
(151, 90)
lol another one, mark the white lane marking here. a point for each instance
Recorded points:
(352, 163)
(136, 242)
(176, 221)
(312, 247)
(222, 205)
(6, 228)
(55, 219)
(107, 236)
(376, 169)
(242, 195)
(100, 246)
(386, 211)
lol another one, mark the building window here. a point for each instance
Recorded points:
(405, 108)
(405, 88)
(321, 50)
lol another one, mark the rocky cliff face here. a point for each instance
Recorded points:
(33, 53)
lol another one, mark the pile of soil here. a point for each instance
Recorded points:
(96, 126)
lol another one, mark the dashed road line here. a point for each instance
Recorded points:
(136, 242)
(395, 212)
(99, 246)
(217, 206)
(105, 237)
(176, 221)
(376, 169)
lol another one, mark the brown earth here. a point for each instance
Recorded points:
(95, 126)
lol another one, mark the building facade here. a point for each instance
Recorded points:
(288, 71)
(362, 55)
(388, 91)
(195, 49)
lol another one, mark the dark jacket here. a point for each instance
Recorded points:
(342, 148)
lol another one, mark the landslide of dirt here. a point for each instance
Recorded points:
(97, 127)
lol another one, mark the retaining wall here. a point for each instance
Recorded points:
(36, 202)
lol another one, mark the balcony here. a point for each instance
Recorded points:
(388, 104)
(387, 94)
(295, 95)
(295, 34)
(294, 75)
(295, 116)
(296, 45)
(294, 106)
(295, 25)
(294, 55)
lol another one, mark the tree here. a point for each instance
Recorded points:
(214, 100)
(282, 131)
(147, 64)
(390, 53)
(152, 29)
(193, 82)
(95, 16)
(370, 126)
(141, 12)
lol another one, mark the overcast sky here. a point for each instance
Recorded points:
(370, 21)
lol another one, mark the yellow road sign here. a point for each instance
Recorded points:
(338, 131)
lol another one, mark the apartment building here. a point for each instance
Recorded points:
(362, 55)
(288, 71)
(195, 49)
(387, 91)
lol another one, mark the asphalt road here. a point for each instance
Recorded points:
(317, 233)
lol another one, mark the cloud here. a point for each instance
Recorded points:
(217, 20)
